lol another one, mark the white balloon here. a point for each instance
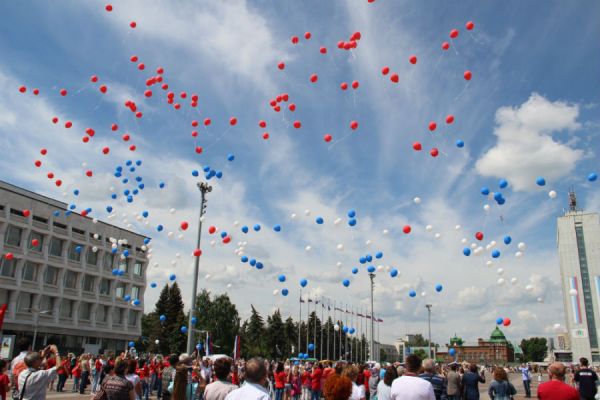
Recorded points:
(178, 255)
(293, 216)
(437, 235)
(275, 292)
(423, 294)
(307, 248)
(478, 251)
(518, 254)
(521, 246)
(236, 223)
(557, 327)
(488, 247)
(417, 200)
(339, 264)
(95, 249)
(119, 242)
(501, 281)
(473, 246)
(552, 194)
(540, 300)
(493, 243)
(172, 211)
(464, 241)
(180, 236)
(385, 232)
(138, 218)
(368, 242)
(457, 227)
(112, 188)
(156, 341)
(207, 276)
(486, 207)
(95, 220)
(336, 327)
(213, 243)
(340, 247)
(489, 263)
(96, 236)
(380, 268)
(170, 235)
(529, 288)
(429, 228)
(337, 221)
(173, 262)
(155, 265)
(307, 212)
(573, 292)
(84, 164)
(513, 281)
(500, 271)
(229, 286)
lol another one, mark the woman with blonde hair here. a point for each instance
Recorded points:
(358, 391)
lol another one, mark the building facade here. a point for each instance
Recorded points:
(578, 237)
(386, 352)
(60, 284)
(496, 350)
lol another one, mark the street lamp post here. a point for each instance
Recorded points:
(36, 321)
(204, 188)
(428, 306)
(372, 349)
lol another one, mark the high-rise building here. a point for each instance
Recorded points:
(63, 283)
(578, 236)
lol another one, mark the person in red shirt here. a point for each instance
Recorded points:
(367, 375)
(63, 374)
(327, 371)
(280, 380)
(556, 388)
(4, 379)
(306, 384)
(316, 382)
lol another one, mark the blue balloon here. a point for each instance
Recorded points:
(195, 172)
(497, 196)
(507, 239)
(113, 196)
(126, 253)
(114, 250)
(277, 228)
(496, 253)
(394, 273)
(127, 297)
(184, 329)
(244, 259)
(72, 207)
(138, 162)
(592, 177)
(57, 213)
(355, 270)
(362, 260)
(223, 234)
(259, 265)
(352, 222)
(311, 347)
(206, 169)
(256, 227)
(379, 254)
(346, 282)
(153, 285)
(485, 191)
(412, 293)
(78, 249)
(540, 181)
(438, 288)
(76, 192)
(501, 201)
(194, 320)
(230, 157)
(115, 271)
(351, 213)
(136, 302)
(303, 282)
(467, 251)
(131, 344)
(351, 331)
(146, 240)
(369, 258)
(285, 292)
(252, 262)
(172, 277)
(130, 199)
(345, 329)
(281, 278)
(219, 174)
(121, 272)
(145, 214)
(499, 320)
(371, 269)
(159, 228)
(245, 229)
(199, 346)
(319, 220)
(452, 352)
(128, 162)
(161, 185)
(162, 318)
(460, 144)
(141, 186)
(502, 183)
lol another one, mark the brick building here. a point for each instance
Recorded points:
(496, 350)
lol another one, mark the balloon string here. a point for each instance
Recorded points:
(438, 62)
(476, 40)
(462, 91)
(218, 139)
(338, 141)
(454, 47)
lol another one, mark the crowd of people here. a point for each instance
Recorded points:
(129, 376)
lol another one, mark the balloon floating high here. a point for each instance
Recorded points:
(346, 282)
(412, 293)
(438, 288)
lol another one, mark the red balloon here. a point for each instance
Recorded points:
(281, 65)
(58, 182)
(323, 50)
(343, 86)
(63, 92)
(68, 124)
(84, 213)
(356, 35)
(43, 152)
(297, 124)
(212, 229)
(35, 243)
(394, 78)
(132, 147)
(294, 39)
(434, 152)
(207, 121)
(26, 213)
(94, 79)
(479, 236)
(194, 133)
(184, 225)
(50, 175)
(450, 119)
(276, 108)
(354, 125)
(327, 138)
(141, 66)
(197, 253)
(9, 256)
(468, 75)
(85, 139)
(432, 126)
(417, 146)
(126, 137)
(262, 123)
(132, 24)
(106, 150)
(412, 59)
(445, 46)
(307, 35)
(36, 91)
(314, 78)
(265, 135)
(133, 58)
(54, 120)
(114, 127)
(285, 96)
(160, 70)
(198, 150)
(194, 123)
(385, 70)
(148, 93)
(406, 229)
(340, 44)
(89, 173)
(232, 121)
(108, 8)
(37, 163)
(506, 322)
(103, 88)
(454, 33)
(227, 239)
(354, 84)
(469, 25)
(22, 89)
(292, 107)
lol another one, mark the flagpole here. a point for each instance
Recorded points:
(328, 319)
(315, 331)
(299, 321)
(321, 331)
(307, 319)
(334, 330)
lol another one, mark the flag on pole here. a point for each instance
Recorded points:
(237, 348)
(2, 313)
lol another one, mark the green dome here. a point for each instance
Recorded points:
(456, 341)
(497, 336)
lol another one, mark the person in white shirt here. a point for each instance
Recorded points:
(358, 391)
(409, 386)
(33, 382)
(384, 386)
(256, 378)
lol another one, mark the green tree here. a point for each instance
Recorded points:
(175, 320)
(153, 329)
(419, 341)
(290, 332)
(275, 338)
(253, 339)
(534, 349)
(421, 353)
(382, 355)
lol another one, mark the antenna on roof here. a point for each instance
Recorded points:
(572, 200)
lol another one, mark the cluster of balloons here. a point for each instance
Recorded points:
(503, 321)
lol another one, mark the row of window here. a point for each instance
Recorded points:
(66, 308)
(14, 234)
(31, 271)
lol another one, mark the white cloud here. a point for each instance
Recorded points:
(526, 149)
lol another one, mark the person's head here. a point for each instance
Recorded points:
(141, 363)
(400, 370)
(390, 374)
(339, 368)
(584, 362)
(337, 388)
(173, 360)
(23, 344)
(413, 363)
(557, 371)
(473, 367)
(256, 371)
(429, 365)
(222, 367)
(500, 375)
(454, 367)
(185, 359)
(279, 367)
(33, 360)
(131, 366)
(3, 366)
(351, 372)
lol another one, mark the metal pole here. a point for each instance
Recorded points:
(328, 325)
(321, 331)
(428, 306)
(307, 320)
(299, 321)
(315, 330)
(372, 349)
(334, 323)
(204, 187)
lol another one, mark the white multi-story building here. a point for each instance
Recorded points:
(60, 284)
(579, 255)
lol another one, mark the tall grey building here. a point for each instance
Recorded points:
(578, 236)
(61, 283)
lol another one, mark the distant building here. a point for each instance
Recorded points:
(60, 286)
(390, 351)
(496, 350)
(578, 238)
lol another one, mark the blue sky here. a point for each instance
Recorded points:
(530, 110)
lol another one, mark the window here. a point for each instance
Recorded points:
(137, 268)
(120, 290)
(88, 283)
(79, 231)
(105, 287)
(25, 302)
(117, 315)
(124, 265)
(13, 236)
(66, 308)
(38, 238)
(7, 267)
(51, 276)
(75, 252)
(135, 292)
(56, 247)
(101, 313)
(133, 317)
(91, 257)
(70, 279)
(4, 296)
(109, 259)
(85, 311)
(30, 271)
(47, 305)
(40, 219)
